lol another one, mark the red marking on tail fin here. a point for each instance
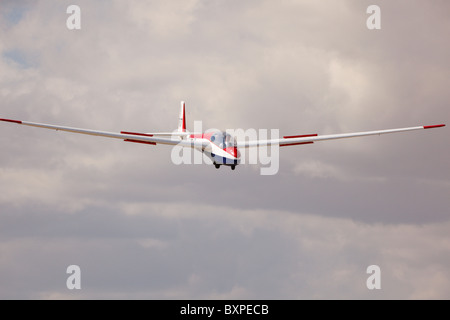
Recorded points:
(184, 118)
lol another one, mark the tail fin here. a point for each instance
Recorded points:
(182, 118)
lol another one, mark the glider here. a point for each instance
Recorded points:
(221, 147)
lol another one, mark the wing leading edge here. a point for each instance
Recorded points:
(160, 138)
(311, 138)
(146, 138)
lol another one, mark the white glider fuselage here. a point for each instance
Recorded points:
(219, 146)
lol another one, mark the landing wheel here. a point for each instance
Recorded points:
(217, 165)
(233, 167)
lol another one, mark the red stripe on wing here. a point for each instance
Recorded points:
(139, 141)
(301, 136)
(136, 134)
(294, 144)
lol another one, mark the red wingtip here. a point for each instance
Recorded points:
(434, 126)
(13, 121)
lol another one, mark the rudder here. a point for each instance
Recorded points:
(182, 118)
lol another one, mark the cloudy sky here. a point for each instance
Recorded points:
(141, 227)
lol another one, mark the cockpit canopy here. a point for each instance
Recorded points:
(223, 140)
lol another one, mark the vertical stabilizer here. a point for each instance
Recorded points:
(182, 118)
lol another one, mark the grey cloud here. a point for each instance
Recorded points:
(141, 227)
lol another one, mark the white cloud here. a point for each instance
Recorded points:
(162, 19)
